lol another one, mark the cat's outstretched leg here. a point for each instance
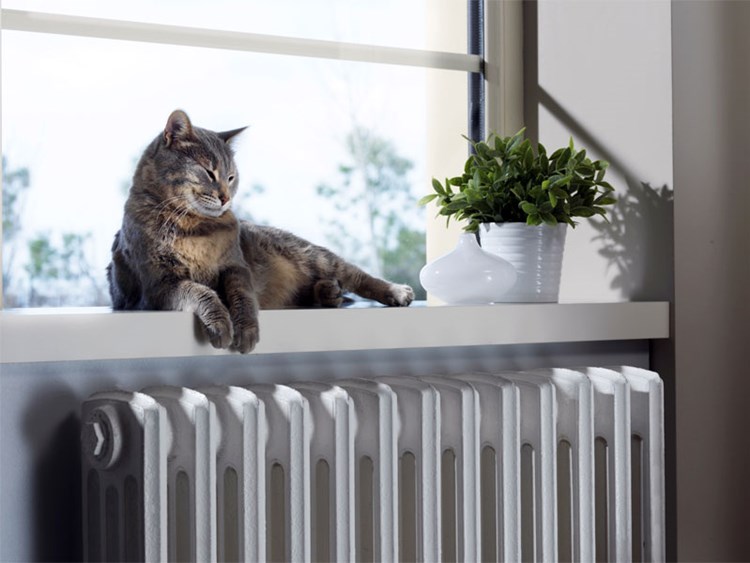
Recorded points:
(370, 287)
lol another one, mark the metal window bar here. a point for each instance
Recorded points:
(476, 78)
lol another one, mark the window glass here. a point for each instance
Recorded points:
(78, 112)
(395, 23)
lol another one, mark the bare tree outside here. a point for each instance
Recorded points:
(60, 273)
(56, 269)
(15, 184)
(373, 190)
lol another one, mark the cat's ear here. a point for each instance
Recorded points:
(178, 127)
(227, 136)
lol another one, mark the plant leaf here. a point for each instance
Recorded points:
(605, 200)
(427, 199)
(534, 220)
(561, 181)
(600, 175)
(581, 212)
(515, 140)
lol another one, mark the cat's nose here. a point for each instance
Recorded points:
(223, 197)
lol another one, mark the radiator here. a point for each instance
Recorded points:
(545, 465)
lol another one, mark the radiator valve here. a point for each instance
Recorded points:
(102, 437)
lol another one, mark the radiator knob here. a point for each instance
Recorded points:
(102, 437)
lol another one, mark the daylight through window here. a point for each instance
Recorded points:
(339, 148)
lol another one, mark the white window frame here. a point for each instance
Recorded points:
(501, 67)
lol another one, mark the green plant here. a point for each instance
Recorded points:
(506, 180)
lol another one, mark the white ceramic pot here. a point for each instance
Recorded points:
(535, 251)
(468, 275)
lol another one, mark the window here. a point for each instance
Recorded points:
(339, 129)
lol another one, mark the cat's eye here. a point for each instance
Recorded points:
(230, 179)
(211, 174)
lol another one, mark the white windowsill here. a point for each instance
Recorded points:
(50, 335)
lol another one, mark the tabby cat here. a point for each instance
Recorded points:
(182, 248)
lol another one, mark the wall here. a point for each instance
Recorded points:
(711, 50)
(600, 72)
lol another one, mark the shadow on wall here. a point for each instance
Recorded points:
(638, 240)
(56, 479)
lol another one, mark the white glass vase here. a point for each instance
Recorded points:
(535, 251)
(468, 275)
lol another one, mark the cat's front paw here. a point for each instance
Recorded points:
(219, 327)
(246, 335)
(399, 295)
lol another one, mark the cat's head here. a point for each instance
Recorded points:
(190, 167)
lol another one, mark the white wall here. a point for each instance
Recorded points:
(602, 73)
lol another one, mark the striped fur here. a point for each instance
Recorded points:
(182, 248)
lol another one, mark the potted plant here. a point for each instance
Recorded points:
(520, 200)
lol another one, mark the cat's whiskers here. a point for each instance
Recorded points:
(175, 216)
(209, 205)
(180, 199)
(179, 212)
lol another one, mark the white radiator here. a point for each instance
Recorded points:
(545, 465)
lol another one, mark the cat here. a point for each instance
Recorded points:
(181, 247)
